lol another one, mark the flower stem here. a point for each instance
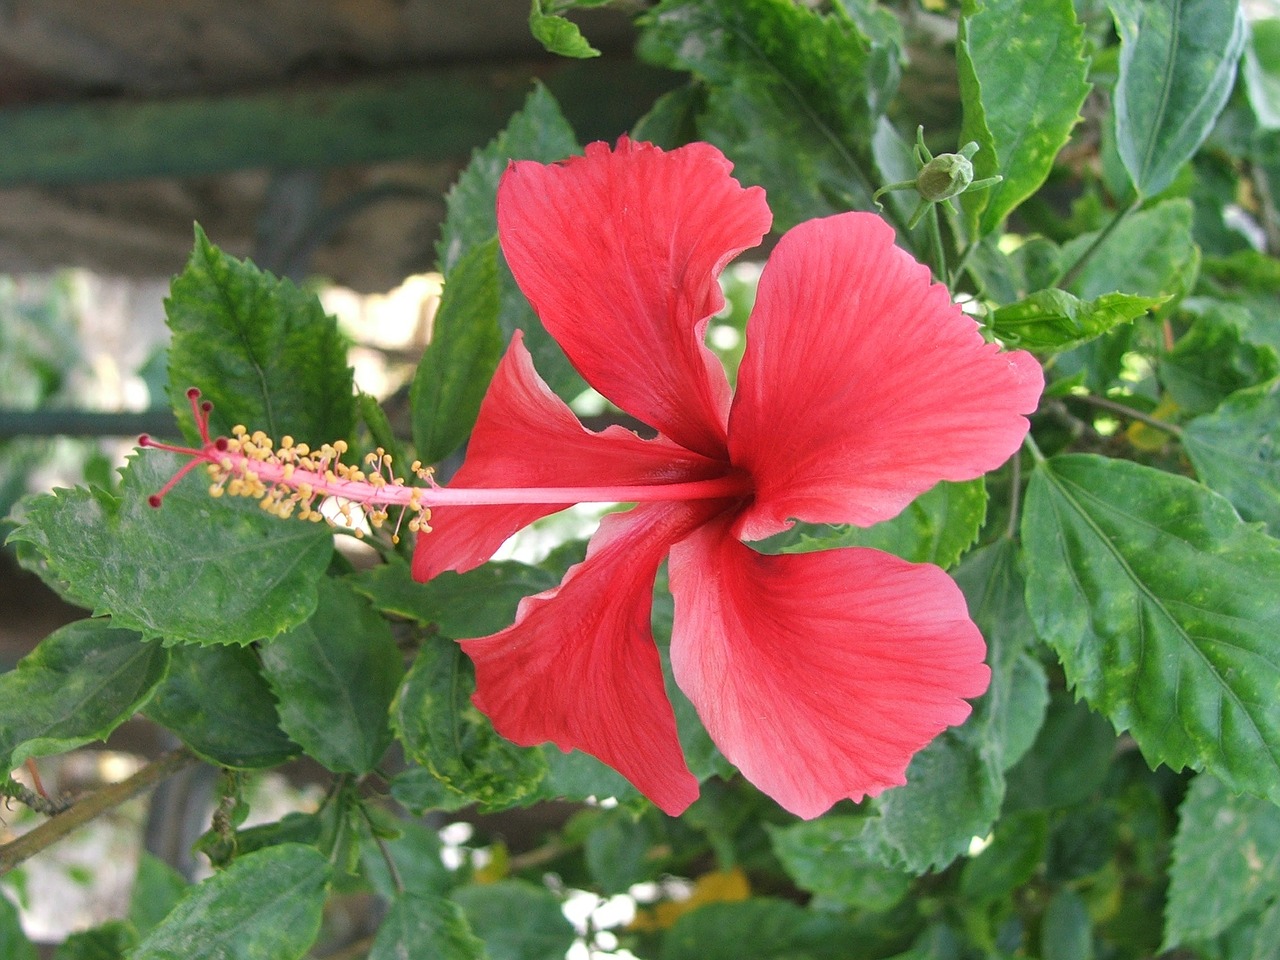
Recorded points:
(94, 805)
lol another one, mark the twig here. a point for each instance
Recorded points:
(1102, 403)
(95, 804)
(39, 802)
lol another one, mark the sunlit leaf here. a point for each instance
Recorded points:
(1056, 320)
(1022, 70)
(1148, 255)
(557, 34)
(263, 351)
(1162, 605)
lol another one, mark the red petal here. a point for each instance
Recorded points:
(819, 674)
(526, 437)
(863, 385)
(618, 252)
(579, 666)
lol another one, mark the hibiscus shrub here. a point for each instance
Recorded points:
(941, 614)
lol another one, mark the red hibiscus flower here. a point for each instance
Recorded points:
(818, 675)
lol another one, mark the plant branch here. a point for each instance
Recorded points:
(92, 806)
(1102, 403)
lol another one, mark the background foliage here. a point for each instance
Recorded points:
(1114, 793)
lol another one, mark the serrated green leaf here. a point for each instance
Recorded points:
(558, 35)
(441, 729)
(577, 776)
(952, 794)
(1167, 621)
(14, 944)
(426, 928)
(814, 81)
(1177, 67)
(937, 527)
(1148, 255)
(217, 702)
(539, 132)
(261, 350)
(833, 858)
(265, 906)
(1236, 452)
(78, 685)
(196, 570)
(616, 850)
(1056, 320)
(461, 605)
(1226, 861)
(1250, 280)
(516, 920)
(1025, 60)
(458, 364)
(333, 678)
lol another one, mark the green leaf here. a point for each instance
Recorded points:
(333, 678)
(952, 794)
(1056, 320)
(1016, 850)
(1262, 71)
(107, 941)
(835, 857)
(558, 35)
(216, 701)
(1177, 66)
(1236, 452)
(195, 570)
(157, 887)
(14, 944)
(265, 906)
(814, 82)
(261, 350)
(426, 928)
(441, 729)
(617, 850)
(516, 920)
(1226, 861)
(1148, 255)
(1166, 622)
(937, 527)
(1023, 80)
(773, 929)
(78, 685)
(1067, 932)
(465, 347)
(1248, 279)
(537, 132)
(1214, 359)
(1068, 760)
(461, 605)
(415, 850)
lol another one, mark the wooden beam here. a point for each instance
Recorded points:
(435, 115)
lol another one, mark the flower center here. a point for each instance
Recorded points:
(294, 479)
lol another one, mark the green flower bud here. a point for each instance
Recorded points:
(946, 175)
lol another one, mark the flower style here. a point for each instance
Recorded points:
(819, 674)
